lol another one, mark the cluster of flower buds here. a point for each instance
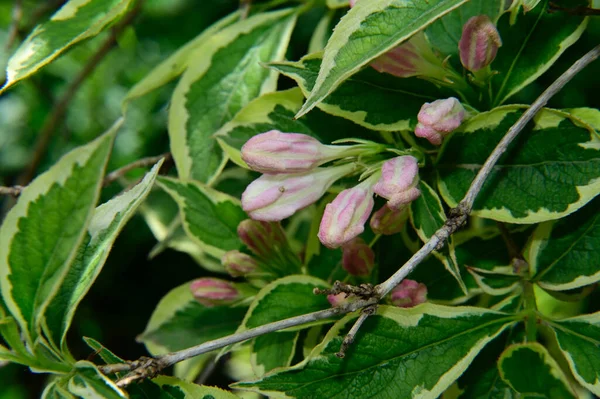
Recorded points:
(293, 178)
(270, 252)
(438, 119)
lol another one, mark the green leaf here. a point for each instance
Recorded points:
(106, 223)
(531, 46)
(368, 98)
(209, 217)
(177, 62)
(368, 30)
(75, 21)
(530, 370)
(397, 353)
(42, 232)
(337, 3)
(554, 166)
(427, 216)
(444, 34)
(579, 341)
(179, 322)
(193, 391)
(284, 298)
(57, 390)
(563, 254)
(273, 350)
(276, 111)
(89, 383)
(226, 75)
(482, 378)
(102, 351)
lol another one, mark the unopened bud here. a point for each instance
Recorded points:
(439, 118)
(344, 218)
(213, 291)
(479, 43)
(238, 264)
(276, 197)
(277, 152)
(358, 259)
(338, 300)
(261, 237)
(399, 181)
(409, 293)
(387, 221)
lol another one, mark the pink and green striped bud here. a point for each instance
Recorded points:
(439, 118)
(409, 293)
(387, 221)
(261, 237)
(358, 259)
(276, 197)
(399, 181)
(344, 218)
(277, 152)
(239, 264)
(479, 43)
(213, 291)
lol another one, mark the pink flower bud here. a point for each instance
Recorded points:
(238, 264)
(439, 118)
(358, 259)
(213, 291)
(276, 197)
(409, 293)
(387, 221)
(277, 152)
(479, 43)
(399, 181)
(337, 300)
(261, 237)
(344, 218)
(352, 2)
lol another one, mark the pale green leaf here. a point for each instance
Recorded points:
(193, 391)
(368, 30)
(89, 383)
(42, 232)
(531, 46)
(176, 64)
(57, 390)
(106, 223)
(368, 98)
(273, 350)
(337, 3)
(579, 341)
(209, 217)
(554, 166)
(226, 74)
(563, 254)
(73, 22)
(530, 370)
(397, 353)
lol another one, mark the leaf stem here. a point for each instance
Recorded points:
(531, 310)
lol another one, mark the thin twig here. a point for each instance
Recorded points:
(460, 213)
(141, 163)
(15, 191)
(147, 367)
(13, 31)
(49, 127)
(349, 338)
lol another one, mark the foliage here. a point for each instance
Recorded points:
(508, 312)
